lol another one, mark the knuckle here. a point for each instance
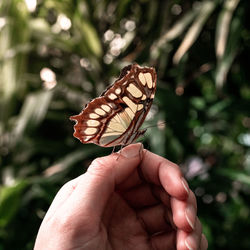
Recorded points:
(198, 226)
(100, 167)
(192, 199)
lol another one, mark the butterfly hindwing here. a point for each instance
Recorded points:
(115, 117)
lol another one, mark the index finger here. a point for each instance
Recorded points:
(160, 171)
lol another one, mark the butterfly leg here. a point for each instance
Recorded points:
(113, 150)
(119, 152)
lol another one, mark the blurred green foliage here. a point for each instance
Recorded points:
(57, 55)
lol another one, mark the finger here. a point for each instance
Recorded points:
(160, 194)
(186, 241)
(145, 195)
(184, 212)
(193, 240)
(204, 243)
(62, 196)
(160, 171)
(96, 186)
(132, 181)
(140, 196)
(164, 241)
(156, 219)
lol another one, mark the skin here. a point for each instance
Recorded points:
(128, 200)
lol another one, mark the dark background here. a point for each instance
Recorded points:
(57, 55)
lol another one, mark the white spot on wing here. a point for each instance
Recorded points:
(112, 96)
(93, 116)
(140, 106)
(100, 111)
(148, 78)
(90, 131)
(106, 107)
(130, 103)
(142, 79)
(118, 91)
(86, 138)
(93, 123)
(134, 91)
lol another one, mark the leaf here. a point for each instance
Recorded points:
(218, 107)
(14, 44)
(198, 102)
(91, 38)
(90, 41)
(122, 8)
(194, 31)
(33, 112)
(10, 199)
(236, 175)
(225, 62)
(223, 26)
(171, 34)
(70, 159)
(178, 28)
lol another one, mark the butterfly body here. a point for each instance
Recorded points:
(115, 117)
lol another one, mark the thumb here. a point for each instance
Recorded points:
(95, 187)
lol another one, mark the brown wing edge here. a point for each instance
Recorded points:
(83, 117)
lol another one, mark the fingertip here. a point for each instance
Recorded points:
(101, 166)
(160, 171)
(184, 213)
(204, 242)
(117, 166)
(192, 241)
(179, 216)
(180, 240)
(185, 185)
(173, 182)
(132, 150)
(190, 214)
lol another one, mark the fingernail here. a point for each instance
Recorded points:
(132, 150)
(204, 242)
(185, 185)
(190, 214)
(190, 242)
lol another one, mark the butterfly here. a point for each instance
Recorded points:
(114, 118)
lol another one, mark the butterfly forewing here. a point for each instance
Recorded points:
(115, 117)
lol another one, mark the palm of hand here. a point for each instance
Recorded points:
(123, 228)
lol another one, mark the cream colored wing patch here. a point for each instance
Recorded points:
(93, 123)
(148, 78)
(100, 111)
(93, 116)
(90, 131)
(112, 96)
(142, 79)
(130, 103)
(117, 126)
(134, 91)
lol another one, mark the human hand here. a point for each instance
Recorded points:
(128, 200)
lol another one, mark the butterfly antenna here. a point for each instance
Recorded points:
(161, 125)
